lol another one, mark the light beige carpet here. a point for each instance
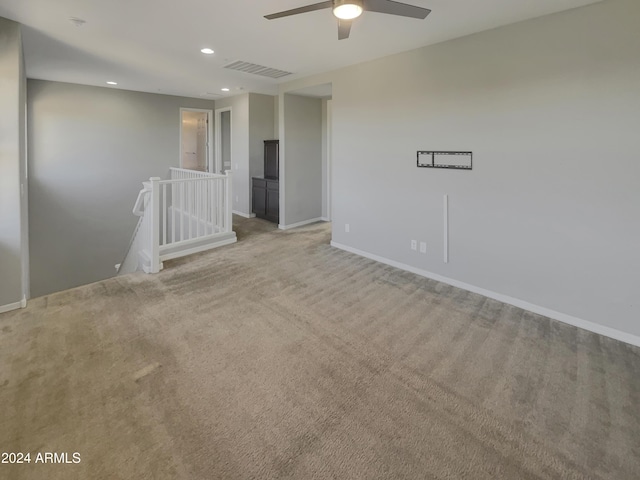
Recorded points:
(281, 357)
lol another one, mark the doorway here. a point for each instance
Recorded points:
(223, 139)
(195, 134)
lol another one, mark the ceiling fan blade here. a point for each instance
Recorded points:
(296, 11)
(395, 8)
(344, 27)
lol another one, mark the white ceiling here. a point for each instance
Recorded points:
(154, 45)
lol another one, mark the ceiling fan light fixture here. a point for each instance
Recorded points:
(347, 9)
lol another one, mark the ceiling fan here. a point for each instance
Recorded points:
(347, 10)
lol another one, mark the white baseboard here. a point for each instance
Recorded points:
(300, 224)
(561, 317)
(325, 219)
(13, 306)
(199, 248)
(242, 214)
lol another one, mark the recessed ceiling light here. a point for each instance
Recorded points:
(225, 89)
(207, 51)
(112, 83)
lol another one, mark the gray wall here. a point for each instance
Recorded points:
(261, 118)
(89, 150)
(550, 108)
(276, 117)
(302, 154)
(13, 206)
(326, 125)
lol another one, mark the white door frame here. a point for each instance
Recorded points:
(218, 125)
(209, 135)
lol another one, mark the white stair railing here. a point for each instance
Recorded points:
(189, 213)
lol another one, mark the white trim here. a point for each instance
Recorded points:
(561, 317)
(147, 269)
(218, 138)
(242, 214)
(325, 219)
(329, 156)
(282, 161)
(145, 262)
(13, 306)
(209, 134)
(24, 212)
(191, 241)
(300, 224)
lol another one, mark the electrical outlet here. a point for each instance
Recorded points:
(414, 245)
(347, 227)
(423, 247)
(236, 198)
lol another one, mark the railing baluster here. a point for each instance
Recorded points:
(219, 187)
(210, 202)
(199, 216)
(164, 214)
(190, 207)
(181, 211)
(223, 194)
(173, 213)
(216, 185)
(205, 210)
(214, 204)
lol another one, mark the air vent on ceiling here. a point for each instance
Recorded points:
(257, 69)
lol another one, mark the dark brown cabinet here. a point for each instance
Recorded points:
(266, 191)
(259, 196)
(266, 199)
